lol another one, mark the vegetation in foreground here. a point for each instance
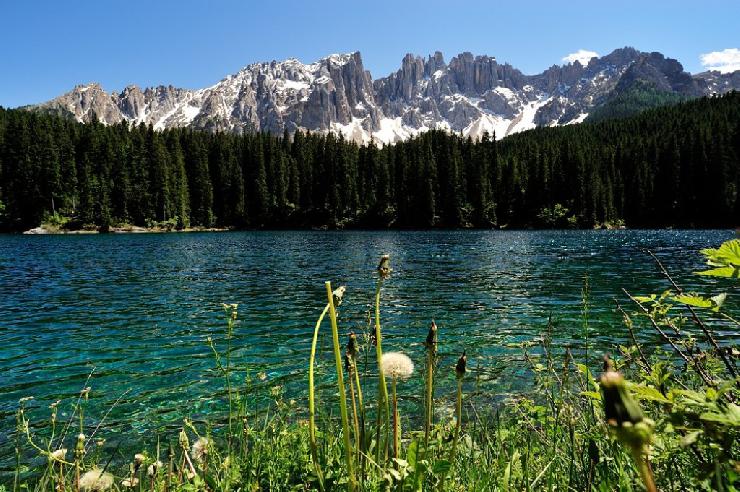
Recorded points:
(669, 166)
(666, 420)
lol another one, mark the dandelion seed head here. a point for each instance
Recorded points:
(339, 294)
(384, 267)
(396, 365)
(200, 448)
(130, 482)
(96, 481)
(153, 468)
(59, 455)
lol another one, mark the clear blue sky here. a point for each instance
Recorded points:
(49, 46)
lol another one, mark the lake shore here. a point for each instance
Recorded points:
(128, 229)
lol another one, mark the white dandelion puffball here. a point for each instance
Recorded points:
(96, 481)
(396, 365)
(200, 450)
(59, 455)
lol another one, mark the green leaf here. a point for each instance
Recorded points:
(648, 393)
(594, 395)
(441, 467)
(730, 417)
(644, 299)
(692, 300)
(726, 272)
(728, 254)
(411, 453)
(690, 438)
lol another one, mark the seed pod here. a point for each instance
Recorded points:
(348, 364)
(622, 412)
(461, 366)
(352, 348)
(384, 267)
(431, 341)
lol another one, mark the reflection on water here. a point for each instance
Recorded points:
(136, 310)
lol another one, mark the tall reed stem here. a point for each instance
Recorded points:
(382, 387)
(312, 400)
(460, 370)
(340, 385)
(355, 418)
(431, 346)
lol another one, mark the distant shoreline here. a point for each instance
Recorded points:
(42, 230)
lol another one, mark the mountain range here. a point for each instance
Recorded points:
(469, 94)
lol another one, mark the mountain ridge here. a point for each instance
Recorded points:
(470, 94)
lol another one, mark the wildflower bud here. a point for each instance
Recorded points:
(339, 295)
(431, 341)
(85, 393)
(138, 460)
(80, 447)
(184, 441)
(352, 345)
(384, 267)
(622, 412)
(461, 366)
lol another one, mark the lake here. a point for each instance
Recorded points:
(136, 310)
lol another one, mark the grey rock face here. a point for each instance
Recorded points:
(470, 94)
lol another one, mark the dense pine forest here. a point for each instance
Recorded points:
(670, 166)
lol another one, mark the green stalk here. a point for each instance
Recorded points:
(355, 419)
(643, 466)
(312, 400)
(232, 311)
(429, 396)
(460, 370)
(382, 388)
(340, 385)
(431, 346)
(396, 423)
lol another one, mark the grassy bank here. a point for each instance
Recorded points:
(660, 419)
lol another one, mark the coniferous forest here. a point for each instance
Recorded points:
(669, 166)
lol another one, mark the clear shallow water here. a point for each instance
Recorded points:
(138, 308)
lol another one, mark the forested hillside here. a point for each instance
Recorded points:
(670, 166)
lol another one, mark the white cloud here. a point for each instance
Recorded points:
(582, 56)
(724, 61)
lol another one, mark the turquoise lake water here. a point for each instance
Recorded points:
(136, 310)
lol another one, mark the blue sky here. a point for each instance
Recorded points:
(49, 46)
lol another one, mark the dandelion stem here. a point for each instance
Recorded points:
(340, 385)
(396, 423)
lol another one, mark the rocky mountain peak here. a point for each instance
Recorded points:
(472, 94)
